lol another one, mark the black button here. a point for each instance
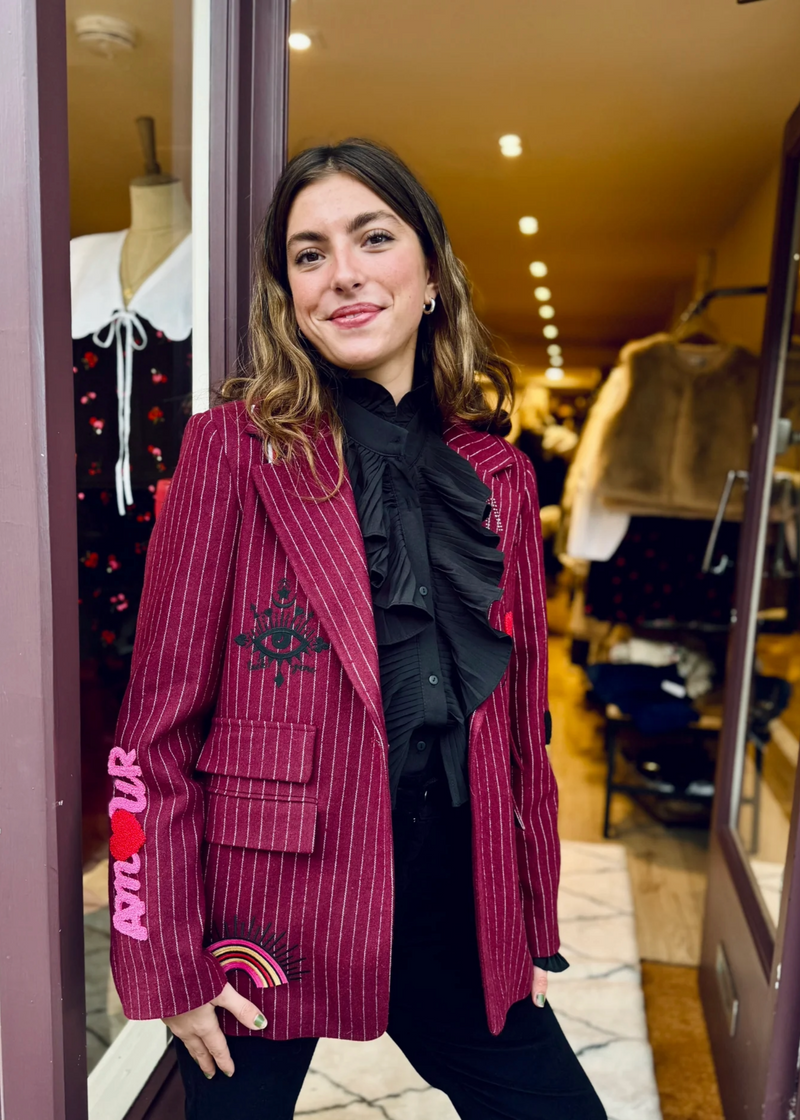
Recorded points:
(421, 745)
(433, 678)
(423, 591)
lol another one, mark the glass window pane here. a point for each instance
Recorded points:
(133, 256)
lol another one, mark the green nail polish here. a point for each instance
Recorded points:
(539, 999)
(260, 1022)
(208, 1075)
(227, 1074)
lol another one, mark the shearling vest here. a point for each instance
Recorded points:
(686, 420)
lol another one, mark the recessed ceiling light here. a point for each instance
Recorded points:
(554, 374)
(546, 311)
(511, 145)
(550, 331)
(299, 41)
(537, 268)
(554, 350)
(528, 226)
(542, 293)
(556, 360)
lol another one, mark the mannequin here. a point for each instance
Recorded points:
(160, 217)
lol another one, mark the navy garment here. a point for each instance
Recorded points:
(437, 1014)
(638, 691)
(434, 568)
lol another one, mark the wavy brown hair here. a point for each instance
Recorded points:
(281, 383)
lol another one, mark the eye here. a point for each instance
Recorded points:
(378, 237)
(308, 256)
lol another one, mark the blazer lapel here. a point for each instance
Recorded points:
(324, 544)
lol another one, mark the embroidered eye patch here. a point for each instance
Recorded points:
(282, 635)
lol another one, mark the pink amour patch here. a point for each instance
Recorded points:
(126, 840)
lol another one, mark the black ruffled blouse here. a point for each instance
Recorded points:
(435, 569)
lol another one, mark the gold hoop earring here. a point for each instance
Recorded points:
(429, 308)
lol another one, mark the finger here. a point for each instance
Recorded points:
(539, 991)
(216, 1045)
(200, 1054)
(246, 1012)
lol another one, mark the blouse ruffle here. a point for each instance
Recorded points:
(394, 471)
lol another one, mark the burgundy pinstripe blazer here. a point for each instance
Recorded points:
(251, 819)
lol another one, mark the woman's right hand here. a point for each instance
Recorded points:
(200, 1032)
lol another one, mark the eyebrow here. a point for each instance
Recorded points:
(355, 224)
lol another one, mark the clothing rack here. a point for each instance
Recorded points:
(698, 306)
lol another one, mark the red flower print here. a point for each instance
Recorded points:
(105, 497)
(88, 397)
(120, 602)
(140, 547)
(90, 359)
(158, 377)
(113, 564)
(155, 415)
(154, 451)
(97, 423)
(81, 495)
(95, 468)
(90, 559)
(107, 637)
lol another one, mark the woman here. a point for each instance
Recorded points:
(334, 813)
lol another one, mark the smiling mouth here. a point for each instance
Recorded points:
(355, 315)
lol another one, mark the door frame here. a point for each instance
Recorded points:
(42, 1005)
(757, 1064)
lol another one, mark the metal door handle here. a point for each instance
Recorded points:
(725, 497)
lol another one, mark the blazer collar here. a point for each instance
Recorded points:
(324, 544)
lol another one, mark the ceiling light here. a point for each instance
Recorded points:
(546, 311)
(511, 145)
(542, 293)
(105, 35)
(299, 41)
(556, 360)
(528, 226)
(550, 331)
(537, 268)
(554, 350)
(554, 374)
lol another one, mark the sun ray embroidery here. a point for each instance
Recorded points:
(258, 952)
(282, 635)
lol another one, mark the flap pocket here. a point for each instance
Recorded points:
(252, 748)
(270, 826)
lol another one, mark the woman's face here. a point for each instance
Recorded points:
(358, 276)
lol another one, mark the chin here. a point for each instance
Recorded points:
(357, 357)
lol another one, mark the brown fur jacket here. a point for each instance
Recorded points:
(685, 419)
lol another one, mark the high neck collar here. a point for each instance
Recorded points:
(377, 399)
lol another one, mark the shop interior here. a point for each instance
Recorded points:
(609, 175)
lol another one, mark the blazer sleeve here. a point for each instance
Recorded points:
(156, 885)
(535, 791)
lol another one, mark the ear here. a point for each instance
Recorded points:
(431, 287)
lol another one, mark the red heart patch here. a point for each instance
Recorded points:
(127, 835)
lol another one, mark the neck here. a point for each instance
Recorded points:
(395, 375)
(159, 208)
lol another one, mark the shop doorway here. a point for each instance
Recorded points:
(750, 946)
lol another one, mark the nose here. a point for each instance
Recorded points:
(346, 275)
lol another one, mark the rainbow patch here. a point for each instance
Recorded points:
(258, 952)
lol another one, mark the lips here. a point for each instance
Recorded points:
(355, 315)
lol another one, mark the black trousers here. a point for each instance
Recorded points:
(436, 1009)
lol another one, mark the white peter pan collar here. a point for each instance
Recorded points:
(164, 299)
